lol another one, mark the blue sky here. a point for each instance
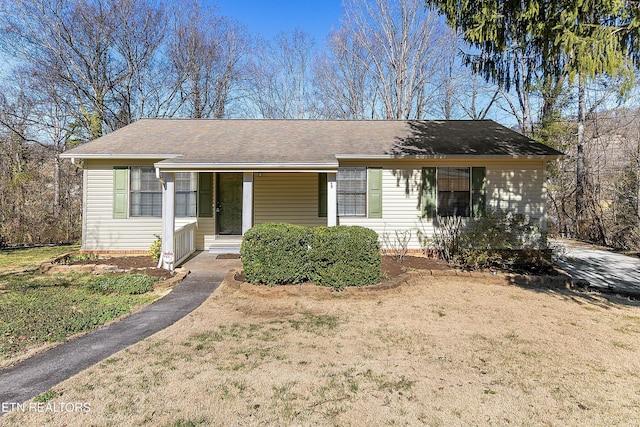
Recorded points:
(316, 17)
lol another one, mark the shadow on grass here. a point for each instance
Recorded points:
(27, 280)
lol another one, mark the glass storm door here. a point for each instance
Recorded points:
(229, 203)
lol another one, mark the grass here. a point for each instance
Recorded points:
(12, 260)
(502, 355)
(46, 396)
(37, 309)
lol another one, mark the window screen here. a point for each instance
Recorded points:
(186, 193)
(454, 196)
(146, 193)
(352, 191)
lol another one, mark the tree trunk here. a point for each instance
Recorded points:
(580, 166)
(56, 184)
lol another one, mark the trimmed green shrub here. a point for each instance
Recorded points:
(126, 284)
(341, 256)
(345, 256)
(276, 253)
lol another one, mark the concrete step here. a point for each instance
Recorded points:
(225, 246)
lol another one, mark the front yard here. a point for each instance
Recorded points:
(37, 310)
(434, 351)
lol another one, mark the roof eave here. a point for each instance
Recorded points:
(450, 157)
(119, 156)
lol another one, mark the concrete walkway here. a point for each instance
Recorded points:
(600, 269)
(41, 372)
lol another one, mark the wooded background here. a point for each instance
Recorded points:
(562, 72)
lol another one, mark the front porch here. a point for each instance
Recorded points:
(230, 202)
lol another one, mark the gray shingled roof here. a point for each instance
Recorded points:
(307, 141)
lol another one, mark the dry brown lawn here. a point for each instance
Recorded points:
(434, 351)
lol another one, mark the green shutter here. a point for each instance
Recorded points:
(429, 192)
(205, 195)
(322, 195)
(478, 191)
(374, 180)
(120, 192)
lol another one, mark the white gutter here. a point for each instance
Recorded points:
(247, 167)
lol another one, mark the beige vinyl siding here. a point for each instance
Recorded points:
(293, 197)
(511, 185)
(103, 232)
(205, 233)
(400, 206)
(286, 197)
(519, 188)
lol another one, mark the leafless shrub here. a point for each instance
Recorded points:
(397, 246)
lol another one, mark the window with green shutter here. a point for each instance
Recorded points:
(120, 192)
(453, 191)
(375, 192)
(145, 192)
(352, 191)
(453, 187)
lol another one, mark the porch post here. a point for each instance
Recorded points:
(332, 200)
(247, 201)
(168, 219)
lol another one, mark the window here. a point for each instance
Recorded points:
(352, 191)
(138, 193)
(146, 193)
(454, 197)
(186, 193)
(449, 191)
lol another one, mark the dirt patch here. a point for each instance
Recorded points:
(391, 268)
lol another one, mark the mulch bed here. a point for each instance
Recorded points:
(124, 262)
(391, 268)
(135, 264)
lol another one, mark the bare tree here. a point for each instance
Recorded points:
(95, 49)
(343, 80)
(461, 92)
(402, 42)
(40, 195)
(280, 76)
(205, 55)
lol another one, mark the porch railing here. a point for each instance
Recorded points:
(184, 242)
